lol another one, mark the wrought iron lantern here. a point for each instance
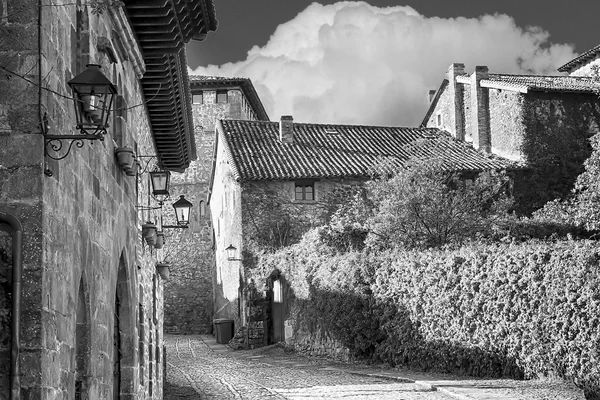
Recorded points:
(231, 253)
(160, 185)
(93, 95)
(182, 211)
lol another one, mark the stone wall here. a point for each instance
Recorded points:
(82, 247)
(272, 217)
(506, 123)
(189, 298)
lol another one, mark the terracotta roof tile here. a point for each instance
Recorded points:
(257, 153)
(582, 59)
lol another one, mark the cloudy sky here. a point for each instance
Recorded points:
(373, 62)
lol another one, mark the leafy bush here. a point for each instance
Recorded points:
(514, 309)
(422, 205)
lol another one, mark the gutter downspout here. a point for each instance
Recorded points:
(17, 261)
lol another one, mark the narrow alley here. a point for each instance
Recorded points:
(199, 368)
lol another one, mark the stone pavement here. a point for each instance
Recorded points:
(200, 368)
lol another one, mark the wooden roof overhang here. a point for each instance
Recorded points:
(162, 28)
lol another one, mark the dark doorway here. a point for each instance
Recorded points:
(277, 307)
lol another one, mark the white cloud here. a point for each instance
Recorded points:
(357, 64)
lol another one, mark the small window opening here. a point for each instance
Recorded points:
(440, 120)
(222, 96)
(198, 98)
(305, 191)
(202, 209)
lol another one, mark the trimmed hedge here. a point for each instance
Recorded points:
(518, 310)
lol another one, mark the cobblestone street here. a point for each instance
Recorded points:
(196, 370)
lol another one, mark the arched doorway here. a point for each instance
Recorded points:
(123, 334)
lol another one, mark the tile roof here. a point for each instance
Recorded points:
(219, 82)
(329, 151)
(525, 83)
(582, 59)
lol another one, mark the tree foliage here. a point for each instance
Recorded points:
(423, 205)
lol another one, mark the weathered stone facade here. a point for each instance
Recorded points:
(190, 301)
(91, 304)
(533, 126)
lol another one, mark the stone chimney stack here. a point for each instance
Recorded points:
(480, 107)
(456, 92)
(286, 129)
(430, 95)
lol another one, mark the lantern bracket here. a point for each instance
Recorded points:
(93, 95)
(175, 226)
(56, 144)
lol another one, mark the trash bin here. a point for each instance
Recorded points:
(223, 330)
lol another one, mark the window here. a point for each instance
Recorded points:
(202, 209)
(221, 96)
(440, 120)
(197, 98)
(305, 190)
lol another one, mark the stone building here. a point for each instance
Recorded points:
(80, 300)
(585, 64)
(545, 121)
(272, 181)
(189, 291)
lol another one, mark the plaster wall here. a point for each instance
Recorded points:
(226, 214)
(82, 241)
(587, 69)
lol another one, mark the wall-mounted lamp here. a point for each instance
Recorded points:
(182, 213)
(231, 253)
(160, 185)
(93, 95)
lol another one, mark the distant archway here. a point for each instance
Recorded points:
(82, 343)
(123, 334)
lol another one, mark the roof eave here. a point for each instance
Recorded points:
(162, 29)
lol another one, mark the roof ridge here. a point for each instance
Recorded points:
(336, 125)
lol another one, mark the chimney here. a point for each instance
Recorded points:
(456, 94)
(431, 95)
(480, 108)
(286, 129)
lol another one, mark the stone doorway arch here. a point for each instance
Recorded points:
(123, 335)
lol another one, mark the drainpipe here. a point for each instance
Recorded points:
(17, 261)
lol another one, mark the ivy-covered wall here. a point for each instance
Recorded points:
(555, 144)
(516, 310)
